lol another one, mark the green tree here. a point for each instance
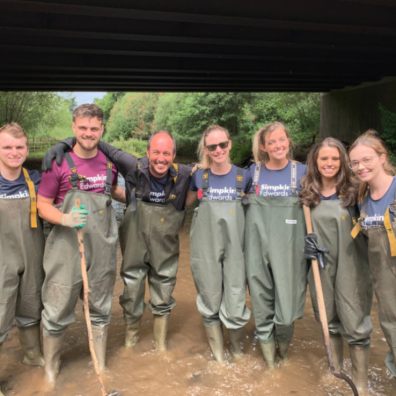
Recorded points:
(108, 101)
(132, 116)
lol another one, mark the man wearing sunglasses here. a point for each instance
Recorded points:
(156, 190)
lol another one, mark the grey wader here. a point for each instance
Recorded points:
(63, 282)
(345, 280)
(218, 268)
(382, 264)
(149, 238)
(21, 272)
(276, 268)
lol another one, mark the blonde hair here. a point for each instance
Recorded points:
(15, 130)
(259, 138)
(371, 139)
(204, 159)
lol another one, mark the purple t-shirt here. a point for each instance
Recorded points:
(55, 183)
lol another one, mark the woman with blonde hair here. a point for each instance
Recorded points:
(330, 191)
(274, 241)
(217, 260)
(369, 160)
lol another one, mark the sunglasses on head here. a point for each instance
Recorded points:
(222, 145)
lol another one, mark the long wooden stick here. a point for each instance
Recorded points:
(80, 238)
(322, 309)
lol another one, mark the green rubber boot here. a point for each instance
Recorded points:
(29, 337)
(132, 334)
(269, 351)
(236, 341)
(216, 342)
(52, 346)
(359, 357)
(337, 351)
(99, 334)
(160, 330)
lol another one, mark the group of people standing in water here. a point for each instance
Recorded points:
(247, 233)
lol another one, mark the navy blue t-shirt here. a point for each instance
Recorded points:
(17, 189)
(277, 183)
(332, 197)
(375, 209)
(157, 189)
(221, 187)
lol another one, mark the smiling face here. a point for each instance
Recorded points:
(88, 132)
(366, 163)
(13, 151)
(328, 162)
(217, 147)
(276, 145)
(160, 154)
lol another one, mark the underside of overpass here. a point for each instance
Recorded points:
(196, 45)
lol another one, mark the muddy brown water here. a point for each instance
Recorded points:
(188, 368)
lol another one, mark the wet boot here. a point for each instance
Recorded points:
(29, 338)
(132, 334)
(284, 335)
(269, 350)
(359, 357)
(160, 330)
(99, 334)
(1, 393)
(337, 351)
(215, 339)
(52, 346)
(236, 339)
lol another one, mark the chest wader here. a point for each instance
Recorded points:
(276, 268)
(21, 272)
(218, 268)
(63, 282)
(149, 238)
(382, 263)
(346, 286)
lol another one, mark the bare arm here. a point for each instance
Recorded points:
(191, 197)
(118, 193)
(48, 211)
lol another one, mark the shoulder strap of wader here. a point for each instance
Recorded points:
(172, 194)
(205, 182)
(74, 177)
(353, 212)
(256, 178)
(239, 182)
(293, 177)
(390, 233)
(109, 177)
(33, 198)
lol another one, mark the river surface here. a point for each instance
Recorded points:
(188, 368)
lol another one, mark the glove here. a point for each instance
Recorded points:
(76, 218)
(313, 251)
(57, 152)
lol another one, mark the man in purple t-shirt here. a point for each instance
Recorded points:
(74, 195)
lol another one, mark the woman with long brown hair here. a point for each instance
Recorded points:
(330, 191)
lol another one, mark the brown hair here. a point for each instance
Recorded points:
(346, 184)
(204, 159)
(371, 139)
(90, 110)
(15, 130)
(259, 138)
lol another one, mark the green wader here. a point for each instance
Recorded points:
(276, 268)
(63, 282)
(149, 238)
(217, 262)
(383, 272)
(346, 279)
(21, 268)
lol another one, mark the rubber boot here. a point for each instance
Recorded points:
(99, 334)
(132, 334)
(1, 393)
(337, 351)
(269, 351)
(160, 330)
(284, 335)
(216, 342)
(359, 357)
(29, 338)
(52, 346)
(236, 339)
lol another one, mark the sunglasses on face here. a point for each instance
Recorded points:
(222, 145)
